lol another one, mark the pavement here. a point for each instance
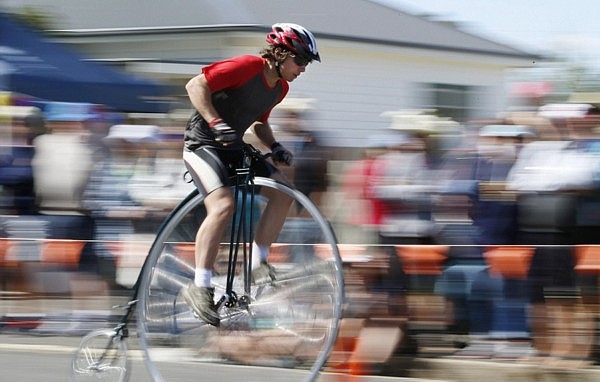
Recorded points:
(61, 322)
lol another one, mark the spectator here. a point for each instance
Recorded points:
(494, 207)
(309, 170)
(406, 183)
(61, 167)
(17, 193)
(364, 211)
(551, 177)
(107, 195)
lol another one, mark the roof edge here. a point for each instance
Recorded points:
(264, 28)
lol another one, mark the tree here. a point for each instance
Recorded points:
(35, 18)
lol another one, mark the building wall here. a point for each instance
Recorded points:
(353, 85)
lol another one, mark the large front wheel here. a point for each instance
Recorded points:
(282, 329)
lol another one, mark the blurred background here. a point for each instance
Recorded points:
(454, 148)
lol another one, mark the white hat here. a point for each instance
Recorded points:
(133, 133)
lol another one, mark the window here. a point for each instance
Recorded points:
(453, 101)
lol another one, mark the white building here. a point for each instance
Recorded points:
(374, 58)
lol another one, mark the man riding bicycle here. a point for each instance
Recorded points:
(229, 97)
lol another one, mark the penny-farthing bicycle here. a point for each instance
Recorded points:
(284, 328)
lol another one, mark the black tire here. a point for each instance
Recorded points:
(291, 322)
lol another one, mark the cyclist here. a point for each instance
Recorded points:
(229, 97)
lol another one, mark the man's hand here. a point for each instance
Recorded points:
(224, 134)
(281, 155)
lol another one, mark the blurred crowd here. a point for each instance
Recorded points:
(79, 172)
(506, 211)
(506, 219)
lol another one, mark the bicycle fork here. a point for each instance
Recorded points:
(242, 233)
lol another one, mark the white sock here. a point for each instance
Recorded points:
(259, 254)
(202, 277)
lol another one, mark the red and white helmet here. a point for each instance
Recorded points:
(296, 38)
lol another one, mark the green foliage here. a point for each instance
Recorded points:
(35, 18)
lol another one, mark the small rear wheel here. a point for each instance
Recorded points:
(101, 356)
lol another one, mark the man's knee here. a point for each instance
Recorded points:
(221, 208)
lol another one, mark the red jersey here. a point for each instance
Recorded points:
(241, 96)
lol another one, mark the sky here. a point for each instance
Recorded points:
(566, 27)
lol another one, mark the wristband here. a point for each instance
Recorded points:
(215, 122)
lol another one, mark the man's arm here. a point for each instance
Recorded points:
(279, 153)
(264, 132)
(200, 96)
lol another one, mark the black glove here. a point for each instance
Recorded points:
(224, 134)
(281, 155)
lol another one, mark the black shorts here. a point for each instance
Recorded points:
(213, 168)
(552, 273)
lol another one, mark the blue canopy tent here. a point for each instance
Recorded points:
(31, 65)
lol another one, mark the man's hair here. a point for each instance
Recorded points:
(275, 53)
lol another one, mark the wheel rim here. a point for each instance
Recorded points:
(166, 322)
(101, 356)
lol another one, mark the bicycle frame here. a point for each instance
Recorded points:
(244, 230)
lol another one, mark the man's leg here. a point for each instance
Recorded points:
(219, 208)
(267, 231)
(200, 295)
(274, 215)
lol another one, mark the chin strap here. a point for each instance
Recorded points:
(277, 68)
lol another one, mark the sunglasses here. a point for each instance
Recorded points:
(300, 61)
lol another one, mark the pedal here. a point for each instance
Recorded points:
(126, 306)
